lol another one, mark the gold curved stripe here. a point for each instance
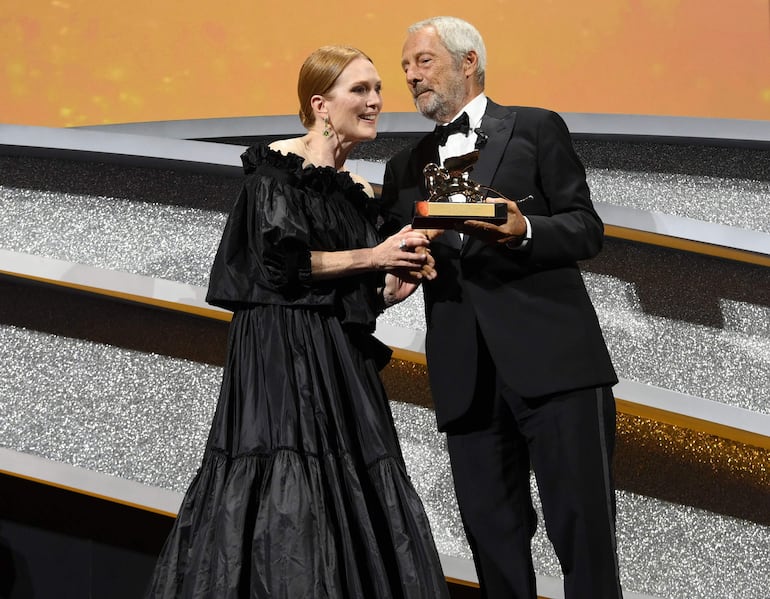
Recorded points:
(677, 243)
(408, 355)
(690, 422)
(131, 297)
(458, 581)
(72, 489)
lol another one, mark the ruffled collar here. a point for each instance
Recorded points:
(321, 179)
(260, 154)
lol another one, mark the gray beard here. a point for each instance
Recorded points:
(441, 108)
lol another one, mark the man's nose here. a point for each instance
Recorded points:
(412, 76)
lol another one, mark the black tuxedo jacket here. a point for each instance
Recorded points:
(529, 305)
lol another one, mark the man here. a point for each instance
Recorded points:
(519, 370)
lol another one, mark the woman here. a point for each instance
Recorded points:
(302, 492)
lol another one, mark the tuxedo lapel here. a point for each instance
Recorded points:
(497, 123)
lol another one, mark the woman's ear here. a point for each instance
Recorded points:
(318, 104)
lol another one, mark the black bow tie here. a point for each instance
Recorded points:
(460, 125)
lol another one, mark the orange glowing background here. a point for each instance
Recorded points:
(84, 62)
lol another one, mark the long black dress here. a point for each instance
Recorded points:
(302, 492)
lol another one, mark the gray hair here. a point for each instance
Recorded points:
(459, 37)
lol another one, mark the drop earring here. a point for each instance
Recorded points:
(326, 131)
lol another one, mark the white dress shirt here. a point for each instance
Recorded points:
(458, 144)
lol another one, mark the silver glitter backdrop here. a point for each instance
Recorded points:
(725, 185)
(692, 324)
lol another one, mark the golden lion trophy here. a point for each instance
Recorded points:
(444, 209)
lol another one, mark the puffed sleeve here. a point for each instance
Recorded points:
(264, 254)
(281, 234)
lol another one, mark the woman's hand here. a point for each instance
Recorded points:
(407, 251)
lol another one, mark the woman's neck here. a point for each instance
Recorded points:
(325, 151)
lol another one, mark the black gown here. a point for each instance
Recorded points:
(302, 492)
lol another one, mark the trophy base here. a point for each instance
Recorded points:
(448, 215)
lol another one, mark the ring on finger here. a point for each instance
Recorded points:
(402, 245)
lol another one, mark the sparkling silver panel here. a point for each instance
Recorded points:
(693, 196)
(728, 363)
(724, 185)
(162, 241)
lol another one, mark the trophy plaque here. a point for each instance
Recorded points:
(439, 211)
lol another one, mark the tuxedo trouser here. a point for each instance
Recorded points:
(568, 440)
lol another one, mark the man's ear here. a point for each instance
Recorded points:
(470, 62)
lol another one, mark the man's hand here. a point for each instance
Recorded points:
(400, 284)
(510, 233)
(427, 269)
(398, 288)
(427, 272)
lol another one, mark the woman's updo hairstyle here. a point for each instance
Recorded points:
(318, 74)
